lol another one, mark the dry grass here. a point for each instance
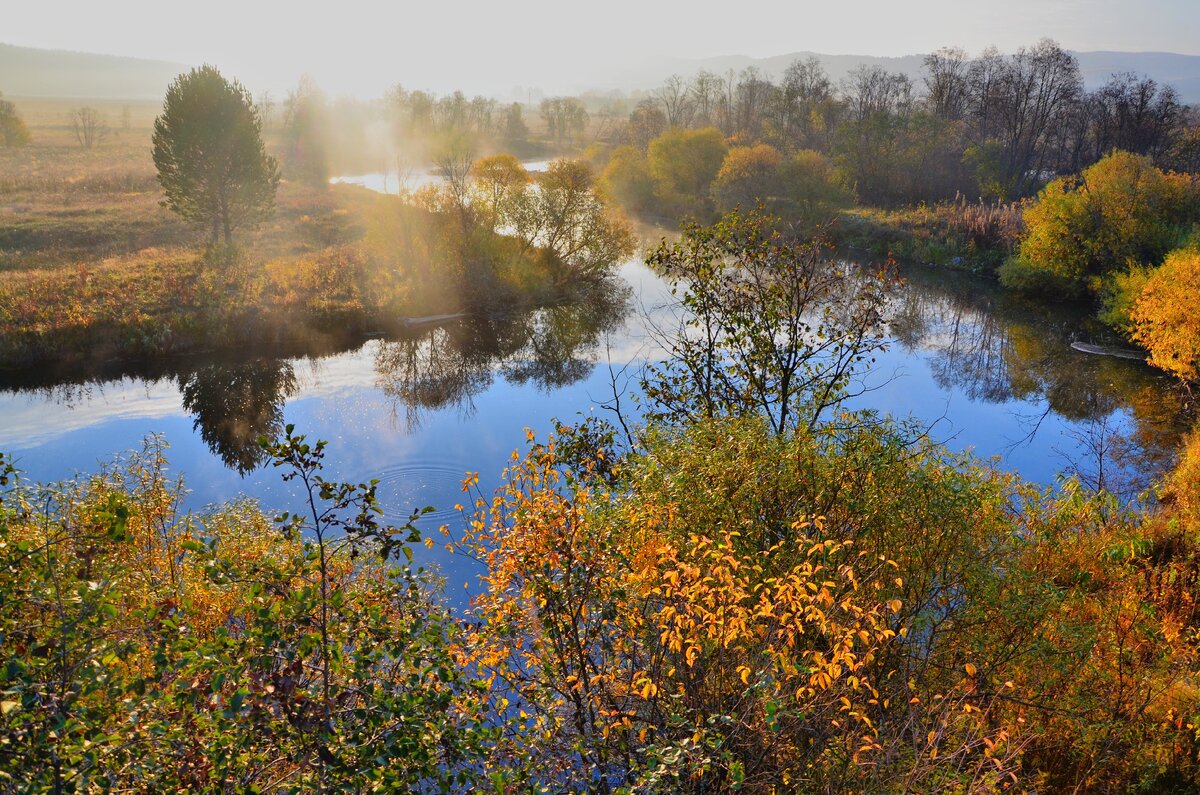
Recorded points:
(93, 266)
(978, 235)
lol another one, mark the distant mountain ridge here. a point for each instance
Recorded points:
(32, 72)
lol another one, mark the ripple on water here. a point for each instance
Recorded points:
(415, 485)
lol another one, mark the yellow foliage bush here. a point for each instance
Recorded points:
(1166, 319)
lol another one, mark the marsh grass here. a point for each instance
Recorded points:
(975, 235)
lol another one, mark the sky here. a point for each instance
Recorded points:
(355, 46)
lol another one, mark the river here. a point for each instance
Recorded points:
(981, 370)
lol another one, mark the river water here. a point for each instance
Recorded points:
(982, 370)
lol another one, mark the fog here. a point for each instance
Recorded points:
(360, 48)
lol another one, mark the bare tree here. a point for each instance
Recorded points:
(872, 90)
(947, 81)
(726, 102)
(266, 108)
(806, 81)
(454, 161)
(705, 91)
(1134, 115)
(676, 101)
(646, 123)
(89, 125)
(752, 97)
(804, 90)
(1025, 108)
(566, 118)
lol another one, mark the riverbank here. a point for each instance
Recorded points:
(344, 260)
(976, 236)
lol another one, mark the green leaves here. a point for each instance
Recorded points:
(210, 157)
(771, 326)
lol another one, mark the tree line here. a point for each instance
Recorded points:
(993, 125)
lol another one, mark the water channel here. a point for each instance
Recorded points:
(982, 370)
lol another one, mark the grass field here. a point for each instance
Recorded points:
(93, 266)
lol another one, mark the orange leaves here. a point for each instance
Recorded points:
(1165, 319)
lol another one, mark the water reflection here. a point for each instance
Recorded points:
(550, 347)
(233, 404)
(1000, 371)
(234, 398)
(996, 347)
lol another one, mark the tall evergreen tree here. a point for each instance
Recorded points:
(210, 156)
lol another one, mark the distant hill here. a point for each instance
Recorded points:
(1181, 71)
(30, 72)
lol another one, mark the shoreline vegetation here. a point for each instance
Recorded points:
(748, 588)
(655, 606)
(333, 262)
(946, 170)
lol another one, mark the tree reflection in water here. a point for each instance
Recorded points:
(996, 347)
(449, 365)
(233, 404)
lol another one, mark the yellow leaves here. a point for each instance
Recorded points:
(895, 605)
(743, 672)
(970, 669)
(821, 680)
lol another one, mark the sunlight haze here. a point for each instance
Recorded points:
(361, 48)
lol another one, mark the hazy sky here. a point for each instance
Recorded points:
(364, 46)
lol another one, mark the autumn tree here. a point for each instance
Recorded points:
(723, 617)
(773, 326)
(563, 215)
(627, 180)
(1118, 213)
(210, 156)
(685, 163)
(197, 651)
(495, 182)
(810, 189)
(748, 174)
(645, 123)
(12, 129)
(1165, 317)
